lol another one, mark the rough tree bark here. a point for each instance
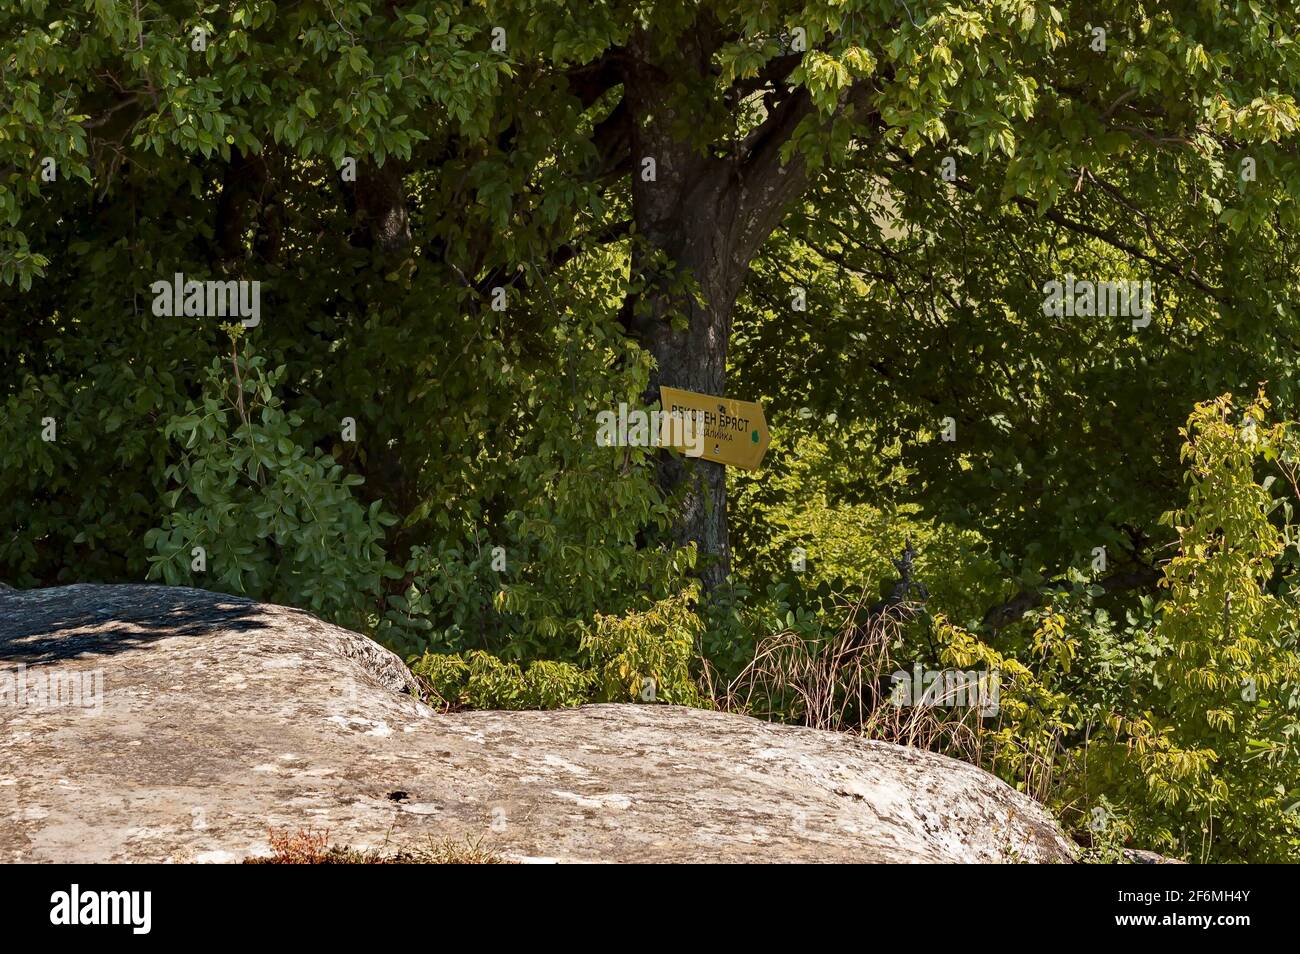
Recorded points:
(706, 215)
(675, 216)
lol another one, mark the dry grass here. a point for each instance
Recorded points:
(840, 682)
(307, 847)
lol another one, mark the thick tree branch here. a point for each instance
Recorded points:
(612, 140)
(590, 81)
(768, 182)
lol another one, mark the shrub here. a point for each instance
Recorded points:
(479, 680)
(640, 656)
(275, 519)
(1206, 762)
(1173, 728)
(647, 654)
(1177, 732)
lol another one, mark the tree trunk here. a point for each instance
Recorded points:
(681, 214)
(694, 358)
(703, 216)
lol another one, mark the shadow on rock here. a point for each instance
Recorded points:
(38, 626)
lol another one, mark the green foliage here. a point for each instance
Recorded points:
(479, 680)
(524, 528)
(1169, 725)
(805, 504)
(739, 616)
(274, 520)
(1034, 715)
(1207, 760)
(642, 656)
(647, 654)
(1177, 733)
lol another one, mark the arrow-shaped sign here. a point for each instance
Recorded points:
(735, 432)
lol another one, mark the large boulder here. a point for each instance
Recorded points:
(188, 724)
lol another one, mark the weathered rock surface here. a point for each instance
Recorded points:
(221, 718)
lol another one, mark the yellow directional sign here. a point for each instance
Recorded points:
(735, 432)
